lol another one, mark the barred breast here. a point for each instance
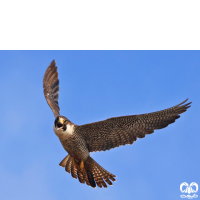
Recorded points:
(76, 146)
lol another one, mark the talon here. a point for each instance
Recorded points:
(82, 166)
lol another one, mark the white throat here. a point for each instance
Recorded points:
(63, 135)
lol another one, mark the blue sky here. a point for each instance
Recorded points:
(95, 85)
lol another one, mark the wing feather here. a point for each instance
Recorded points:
(117, 131)
(51, 87)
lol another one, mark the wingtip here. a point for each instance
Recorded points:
(185, 101)
(53, 63)
(187, 104)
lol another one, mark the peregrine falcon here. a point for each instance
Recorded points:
(79, 141)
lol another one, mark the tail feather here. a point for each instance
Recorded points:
(90, 178)
(99, 178)
(92, 173)
(85, 178)
(105, 174)
(73, 171)
(80, 177)
(64, 161)
(68, 165)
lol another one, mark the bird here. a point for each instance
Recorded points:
(80, 140)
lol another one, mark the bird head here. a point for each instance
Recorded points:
(60, 123)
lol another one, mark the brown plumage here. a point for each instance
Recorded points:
(98, 173)
(79, 141)
(51, 88)
(113, 132)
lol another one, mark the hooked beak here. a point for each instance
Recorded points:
(57, 129)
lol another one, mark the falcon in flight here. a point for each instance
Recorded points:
(79, 141)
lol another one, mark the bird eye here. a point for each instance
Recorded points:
(59, 125)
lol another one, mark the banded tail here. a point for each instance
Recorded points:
(88, 171)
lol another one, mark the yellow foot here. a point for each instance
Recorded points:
(80, 166)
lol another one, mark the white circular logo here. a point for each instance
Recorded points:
(186, 188)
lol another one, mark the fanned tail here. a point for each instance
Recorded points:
(88, 171)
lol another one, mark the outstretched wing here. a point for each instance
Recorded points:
(51, 87)
(113, 132)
